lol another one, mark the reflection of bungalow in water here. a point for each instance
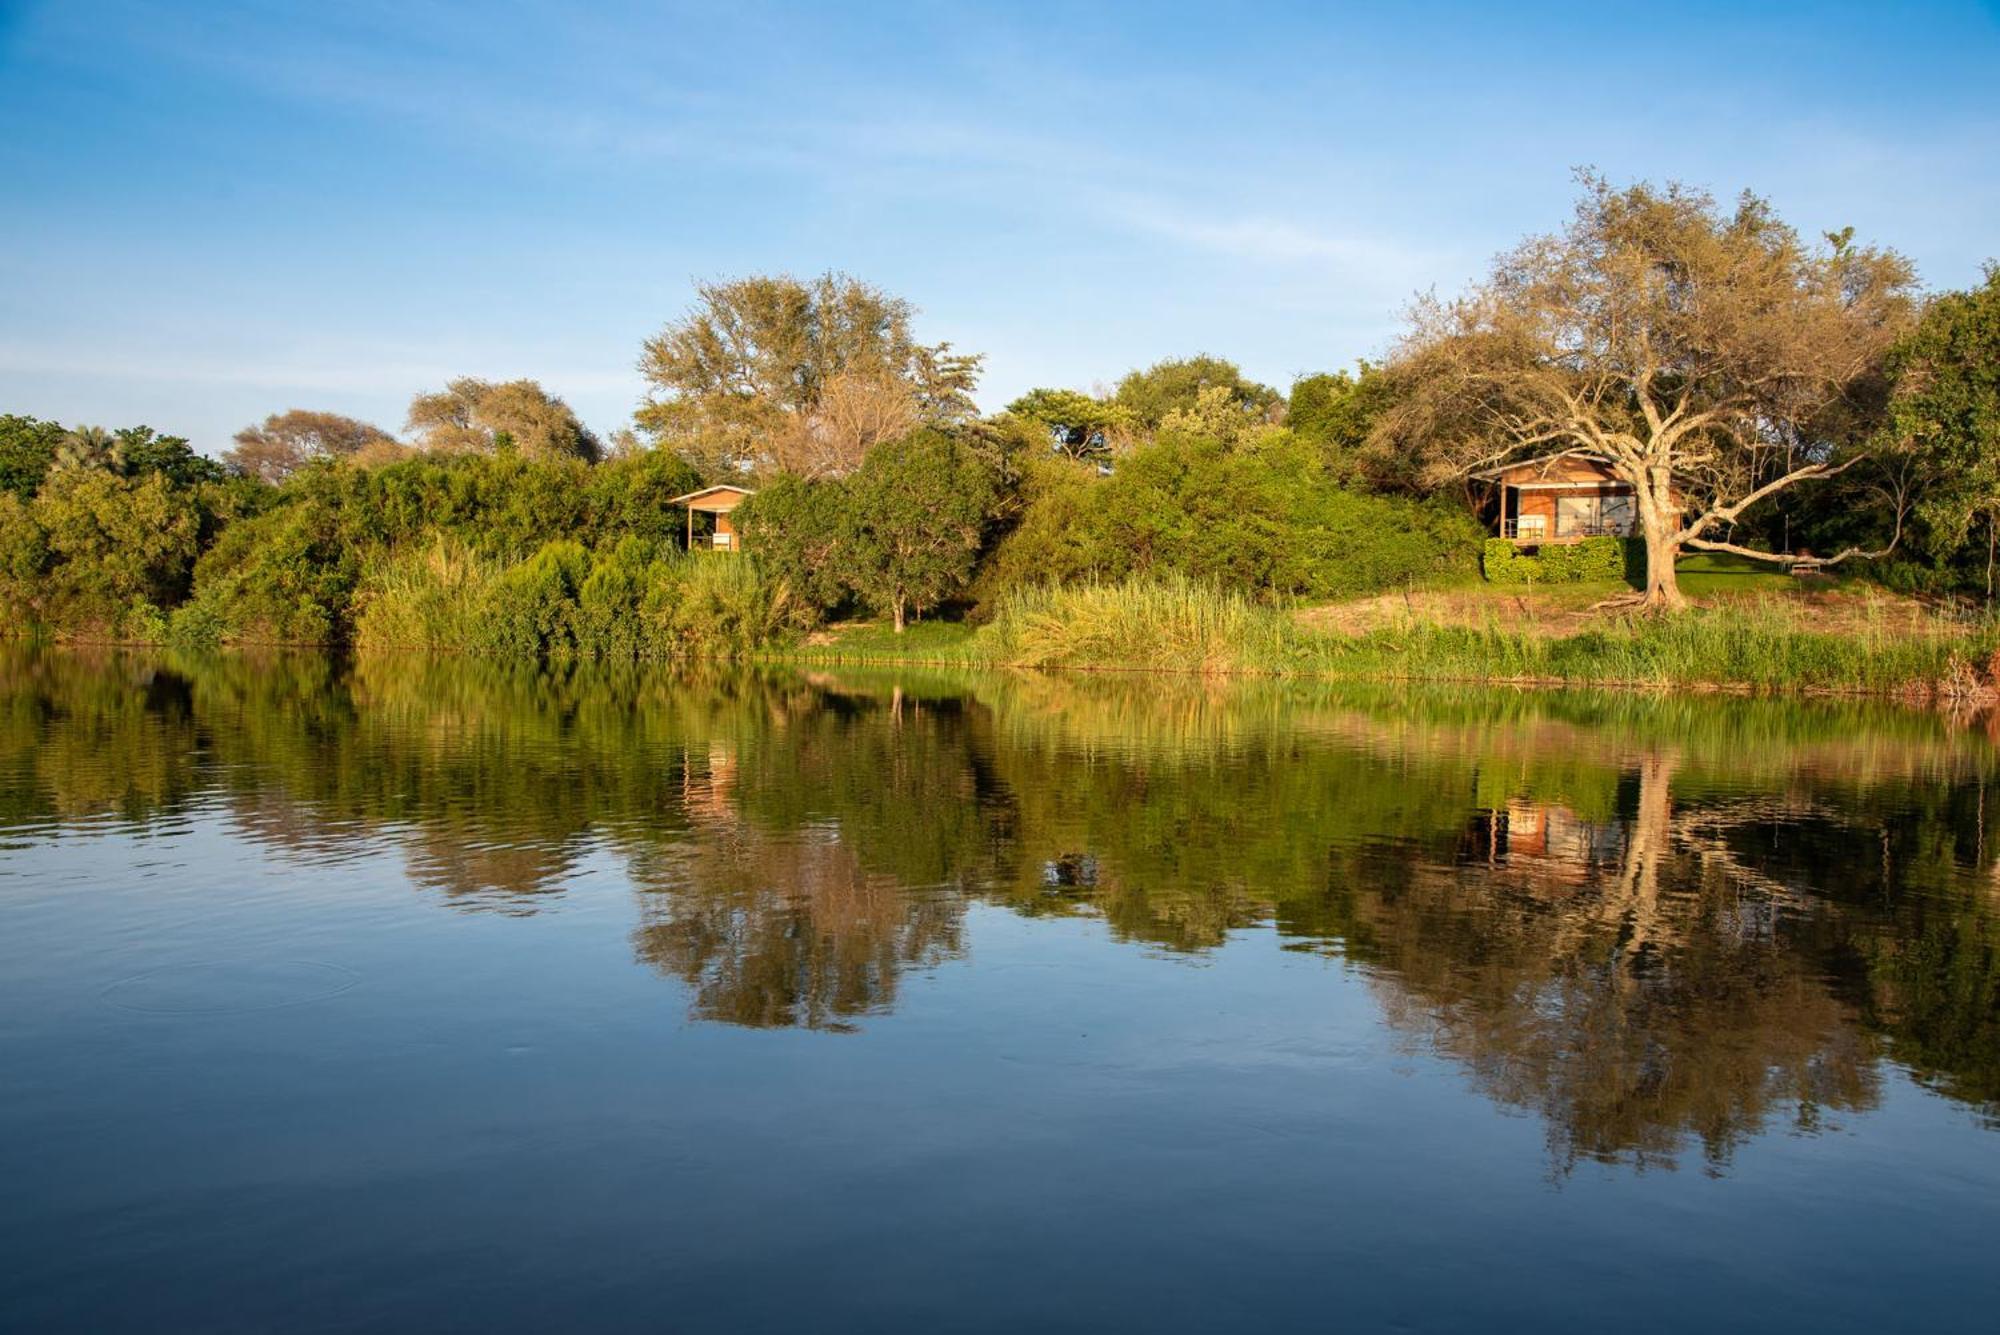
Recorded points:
(718, 501)
(1562, 499)
(1552, 839)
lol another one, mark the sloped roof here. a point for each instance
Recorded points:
(694, 499)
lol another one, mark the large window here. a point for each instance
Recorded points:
(1589, 516)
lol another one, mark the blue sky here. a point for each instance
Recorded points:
(215, 211)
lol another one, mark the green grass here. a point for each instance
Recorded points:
(1182, 627)
(1707, 573)
(877, 641)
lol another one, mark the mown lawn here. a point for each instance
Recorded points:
(1707, 573)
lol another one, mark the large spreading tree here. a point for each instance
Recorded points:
(1705, 355)
(776, 373)
(285, 442)
(470, 415)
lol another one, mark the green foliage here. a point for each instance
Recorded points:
(628, 495)
(1269, 521)
(801, 530)
(119, 549)
(565, 602)
(1339, 413)
(141, 451)
(1586, 561)
(1078, 424)
(1176, 383)
(917, 510)
(282, 577)
(901, 533)
(27, 448)
(24, 562)
(530, 610)
(1945, 410)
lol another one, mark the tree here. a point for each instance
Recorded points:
(1177, 383)
(1945, 408)
(27, 448)
(286, 442)
(139, 450)
(918, 512)
(1338, 413)
(772, 362)
(1078, 424)
(801, 531)
(117, 541)
(89, 447)
(1217, 415)
(1706, 357)
(476, 415)
(855, 413)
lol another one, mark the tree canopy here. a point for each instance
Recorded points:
(803, 375)
(1176, 384)
(1705, 355)
(1946, 409)
(285, 442)
(470, 414)
(1080, 425)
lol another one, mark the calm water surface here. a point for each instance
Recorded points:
(439, 998)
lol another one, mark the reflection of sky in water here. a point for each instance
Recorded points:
(1293, 1012)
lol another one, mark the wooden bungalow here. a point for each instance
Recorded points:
(1562, 499)
(718, 501)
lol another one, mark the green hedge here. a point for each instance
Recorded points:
(1587, 560)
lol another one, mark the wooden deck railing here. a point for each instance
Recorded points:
(1539, 532)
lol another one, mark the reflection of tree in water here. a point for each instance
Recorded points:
(785, 927)
(1654, 925)
(1620, 979)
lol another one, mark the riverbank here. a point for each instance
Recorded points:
(1817, 641)
(1776, 637)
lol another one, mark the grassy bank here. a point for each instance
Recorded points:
(1767, 644)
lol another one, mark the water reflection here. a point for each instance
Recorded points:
(1662, 927)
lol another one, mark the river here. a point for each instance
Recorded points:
(430, 996)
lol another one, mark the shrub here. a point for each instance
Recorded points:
(1588, 560)
(118, 549)
(717, 606)
(1268, 519)
(283, 577)
(531, 610)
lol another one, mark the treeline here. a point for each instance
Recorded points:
(497, 522)
(502, 526)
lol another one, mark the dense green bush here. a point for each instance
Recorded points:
(289, 575)
(116, 552)
(282, 577)
(630, 601)
(1268, 519)
(1588, 560)
(900, 534)
(531, 609)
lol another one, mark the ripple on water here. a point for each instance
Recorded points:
(224, 987)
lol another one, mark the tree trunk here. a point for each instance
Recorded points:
(896, 605)
(1659, 521)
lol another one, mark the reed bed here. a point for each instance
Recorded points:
(1179, 626)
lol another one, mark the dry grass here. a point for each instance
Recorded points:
(1563, 610)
